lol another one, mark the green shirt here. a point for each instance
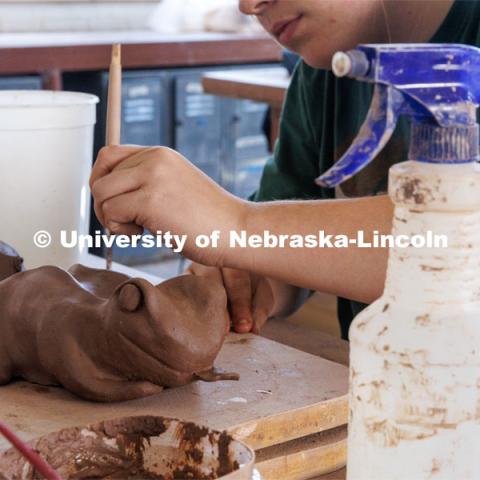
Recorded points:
(321, 117)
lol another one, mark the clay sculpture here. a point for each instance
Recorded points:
(105, 336)
(10, 261)
(101, 283)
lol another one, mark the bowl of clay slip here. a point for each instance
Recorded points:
(143, 448)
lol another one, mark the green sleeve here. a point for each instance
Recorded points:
(290, 173)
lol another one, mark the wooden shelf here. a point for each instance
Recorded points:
(51, 54)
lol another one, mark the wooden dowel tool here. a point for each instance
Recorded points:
(114, 112)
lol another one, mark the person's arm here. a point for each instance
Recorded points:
(353, 272)
(135, 188)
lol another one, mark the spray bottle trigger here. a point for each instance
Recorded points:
(373, 136)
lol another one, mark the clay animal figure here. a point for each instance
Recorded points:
(107, 337)
(101, 283)
(10, 261)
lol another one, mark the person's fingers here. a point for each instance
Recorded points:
(191, 268)
(205, 271)
(212, 274)
(122, 210)
(97, 207)
(135, 159)
(262, 304)
(114, 184)
(239, 291)
(129, 229)
(109, 157)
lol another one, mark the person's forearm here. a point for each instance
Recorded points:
(355, 273)
(131, 186)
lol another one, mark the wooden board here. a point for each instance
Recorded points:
(283, 394)
(337, 475)
(304, 458)
(317, 343)
(261, 85)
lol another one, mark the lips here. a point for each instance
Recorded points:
(285, 29)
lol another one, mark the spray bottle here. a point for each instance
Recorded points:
(415, 352)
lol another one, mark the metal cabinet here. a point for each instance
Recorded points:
(146, 109)
(21, 83)
(146, 120)
(146, 105)
(197, 123)
(223, 137)
(245, 146)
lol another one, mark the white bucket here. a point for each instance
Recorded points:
(46, 148)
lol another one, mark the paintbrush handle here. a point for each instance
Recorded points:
(114, 103)
(36, 460)
(114, 114)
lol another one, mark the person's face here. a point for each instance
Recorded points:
(316, 29)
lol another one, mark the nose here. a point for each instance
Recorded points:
(253, 7)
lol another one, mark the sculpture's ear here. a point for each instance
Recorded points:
(130, 297)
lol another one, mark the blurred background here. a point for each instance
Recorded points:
(165, 16)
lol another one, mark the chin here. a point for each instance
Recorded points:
(312, 57)
(323, 63)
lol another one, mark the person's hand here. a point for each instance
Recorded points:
(250, 296)
(157, 188)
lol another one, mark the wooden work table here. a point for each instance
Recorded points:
(32, 410)
(50, 54)
(315, 343)
(282, 331)
(268, 85)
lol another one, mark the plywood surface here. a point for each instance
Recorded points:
(283, 394)
(304, 458)
(307, 340)
(337, 475)
(269, 86)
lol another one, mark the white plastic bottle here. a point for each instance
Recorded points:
(415, 352)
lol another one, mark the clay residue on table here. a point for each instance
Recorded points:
(225, 464)
(191, 436)
(110, 449)
(126, 459)
(105, 336)
(216, 375)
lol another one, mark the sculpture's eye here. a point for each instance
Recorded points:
(130, 297)
(18, 264)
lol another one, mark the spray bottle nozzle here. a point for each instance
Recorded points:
(435, 85)
(350, 64)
